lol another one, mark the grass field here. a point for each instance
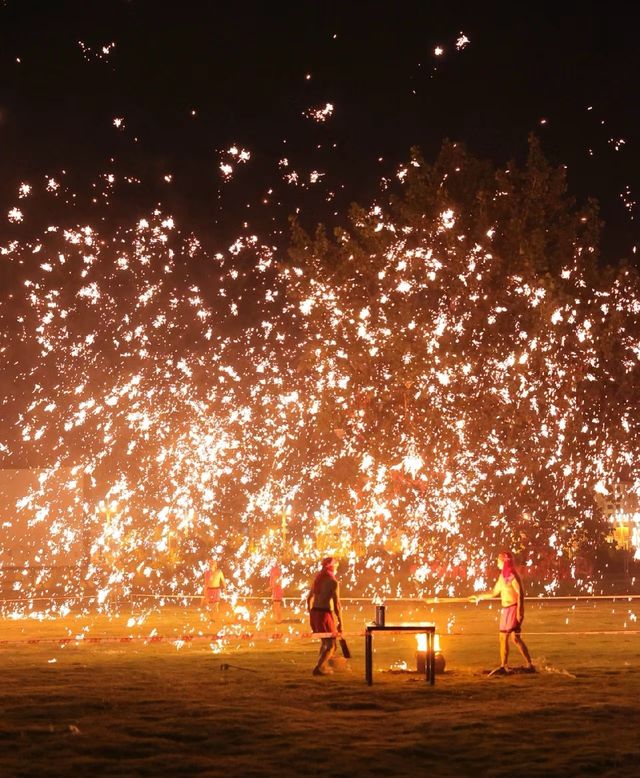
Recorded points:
(253, 707)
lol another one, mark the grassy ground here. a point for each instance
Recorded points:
(254, 708)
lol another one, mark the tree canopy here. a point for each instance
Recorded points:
(472, 364)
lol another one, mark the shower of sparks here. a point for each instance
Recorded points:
(629, 202)
(410, 423)
(232, 156)
(96, 52)
(617, 143)
(320, 114)
(409, 408)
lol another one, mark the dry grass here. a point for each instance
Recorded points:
(136, 709)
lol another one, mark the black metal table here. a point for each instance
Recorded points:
(427, 628)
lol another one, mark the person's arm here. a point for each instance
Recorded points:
(310, 599)
(336, 607)
(495, 592)
(517, 587)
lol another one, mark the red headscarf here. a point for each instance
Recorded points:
(508, 565)
(328, 571)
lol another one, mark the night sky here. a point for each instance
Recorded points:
(191, 79)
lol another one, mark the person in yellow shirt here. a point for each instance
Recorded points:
(511, 592)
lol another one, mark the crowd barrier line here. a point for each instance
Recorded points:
(217, 637)
(368, 599)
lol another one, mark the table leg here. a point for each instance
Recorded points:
(368, 657)
(432, 658)
(427, 664)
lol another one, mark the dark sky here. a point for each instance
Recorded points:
(242, 68)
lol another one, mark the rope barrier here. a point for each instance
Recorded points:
(185, 638)
(369, 599)
(269, 637)
(419, 600)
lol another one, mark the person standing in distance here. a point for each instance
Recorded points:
(214, 585)
(323, 604)
(275, 585)
(511, 592)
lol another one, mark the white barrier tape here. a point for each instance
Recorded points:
(270, 637)
(417, 600)
(414, 600)
(215, 636)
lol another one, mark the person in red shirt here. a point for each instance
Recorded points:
(511, 592)
(275, 584)
(323, 604)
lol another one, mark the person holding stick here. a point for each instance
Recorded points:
(323, 604)
(511, 592)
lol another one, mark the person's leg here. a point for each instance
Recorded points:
(277, 610)
(522, 647)
(321, 655)
(331, 650)
(327, 649)
(504, 648)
